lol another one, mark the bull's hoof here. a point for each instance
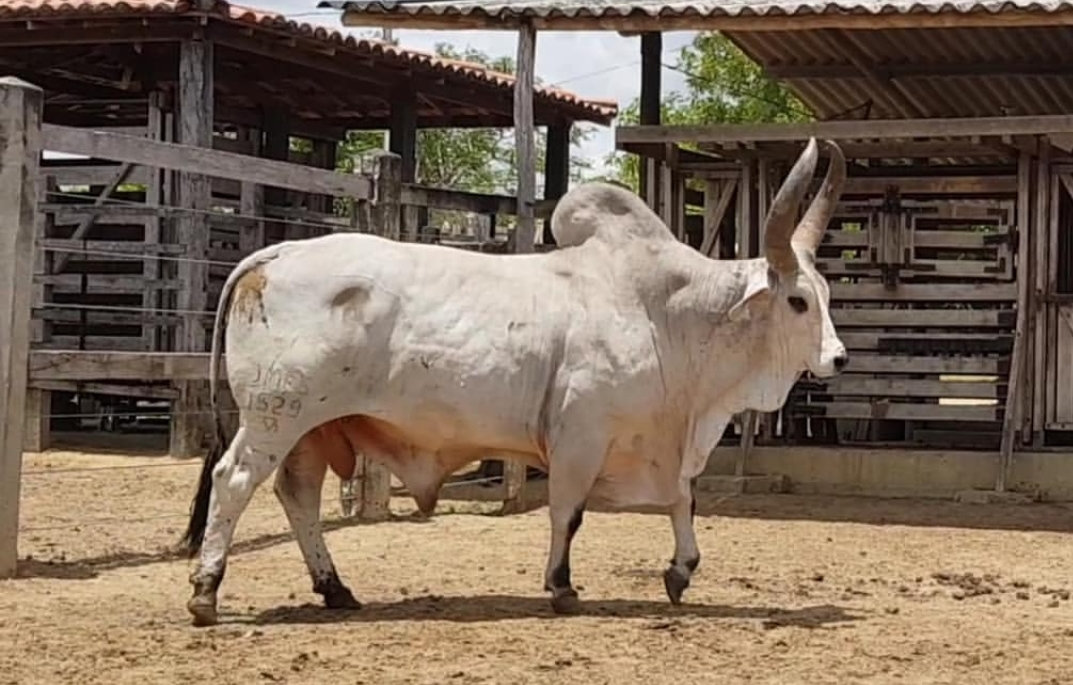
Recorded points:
(675, 582)
(341, 598)
(566, 602)
(203, 611)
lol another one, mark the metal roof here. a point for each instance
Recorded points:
(597, 10)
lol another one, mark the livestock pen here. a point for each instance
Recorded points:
(948, 257)
(806, 589)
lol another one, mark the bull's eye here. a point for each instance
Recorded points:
(798, 303)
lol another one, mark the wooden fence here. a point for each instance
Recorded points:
(185, 240)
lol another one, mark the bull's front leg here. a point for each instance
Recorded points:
(572, 472)
(686, 553)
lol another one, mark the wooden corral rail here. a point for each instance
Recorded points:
(124, 279)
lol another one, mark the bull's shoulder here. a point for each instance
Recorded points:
(607, 212)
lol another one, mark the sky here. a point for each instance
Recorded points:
(600, 65)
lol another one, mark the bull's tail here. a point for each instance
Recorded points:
(199, 507)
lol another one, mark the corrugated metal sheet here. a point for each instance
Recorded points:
(952, 72)
(610, 9)
(592, 110)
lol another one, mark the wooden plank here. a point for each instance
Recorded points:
(935, 268)
(117, 343)
(524, 139)
(937, 185)
(120, 248)
(106, 283)
(97, 317)
(884, 363)
(857, 339)
(93, 175)
(1022, 404)
(228, 165)
(900, 411)
(871, 129)
(955, 240)
(20, 147)
(714, 212)
(87, 222)
(924, 292)
(921, 318)
(57, 365)
(854, 385)
(149, 392)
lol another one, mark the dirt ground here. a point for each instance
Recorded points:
(790, 589)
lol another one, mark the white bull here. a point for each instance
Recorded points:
(614, 363)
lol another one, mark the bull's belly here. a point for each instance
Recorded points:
(636, 482)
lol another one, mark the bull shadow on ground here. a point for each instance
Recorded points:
(923, 513)
(90, 567)
(486, 608)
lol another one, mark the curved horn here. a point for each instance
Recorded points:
(779, 226)
(809, 233)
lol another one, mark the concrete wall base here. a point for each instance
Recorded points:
(902, 472)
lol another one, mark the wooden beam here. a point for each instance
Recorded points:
(204, 161)
(848, 129)
(556, 169)
(195, 105)
(68, 365)
(848, 44)
(402, 136)
(524, 140)
(20, 147)
(87, 222)
(650, 108)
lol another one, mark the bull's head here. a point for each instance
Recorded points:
(796, 296)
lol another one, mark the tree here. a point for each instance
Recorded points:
(722, 86)
(476, 159)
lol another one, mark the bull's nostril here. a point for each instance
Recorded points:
(841, 361)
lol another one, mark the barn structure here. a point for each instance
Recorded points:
(211, 74)
(950, 255)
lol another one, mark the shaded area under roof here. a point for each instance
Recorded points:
(92, 56)
(843, 58)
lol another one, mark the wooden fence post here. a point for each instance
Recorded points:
(20, 149)
(368, 494)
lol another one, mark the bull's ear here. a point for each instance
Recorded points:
(758, 292)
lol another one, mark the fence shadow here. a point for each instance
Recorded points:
(485, 608)
(922, 513)
(91, 567)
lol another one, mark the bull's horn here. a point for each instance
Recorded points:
(779, 227)
(809, 233)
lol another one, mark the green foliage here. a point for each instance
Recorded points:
(477, 159)
(722, 86)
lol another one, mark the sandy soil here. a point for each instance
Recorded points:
(790, 590)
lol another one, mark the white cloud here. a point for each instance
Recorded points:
(601, 65)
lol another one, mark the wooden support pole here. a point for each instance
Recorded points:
(1041, 233)
(1018, 365)
(367, 496)
(556, 169)
(402, 141)
(525, 230)
(524, 139)
(190, 412)
(20, 149)
(650, 114)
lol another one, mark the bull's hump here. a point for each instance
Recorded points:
(607, 212)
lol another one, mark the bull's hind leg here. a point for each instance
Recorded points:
(686, 553)
(298, 487)
(234, 478)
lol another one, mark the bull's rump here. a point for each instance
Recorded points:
(452, 348)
